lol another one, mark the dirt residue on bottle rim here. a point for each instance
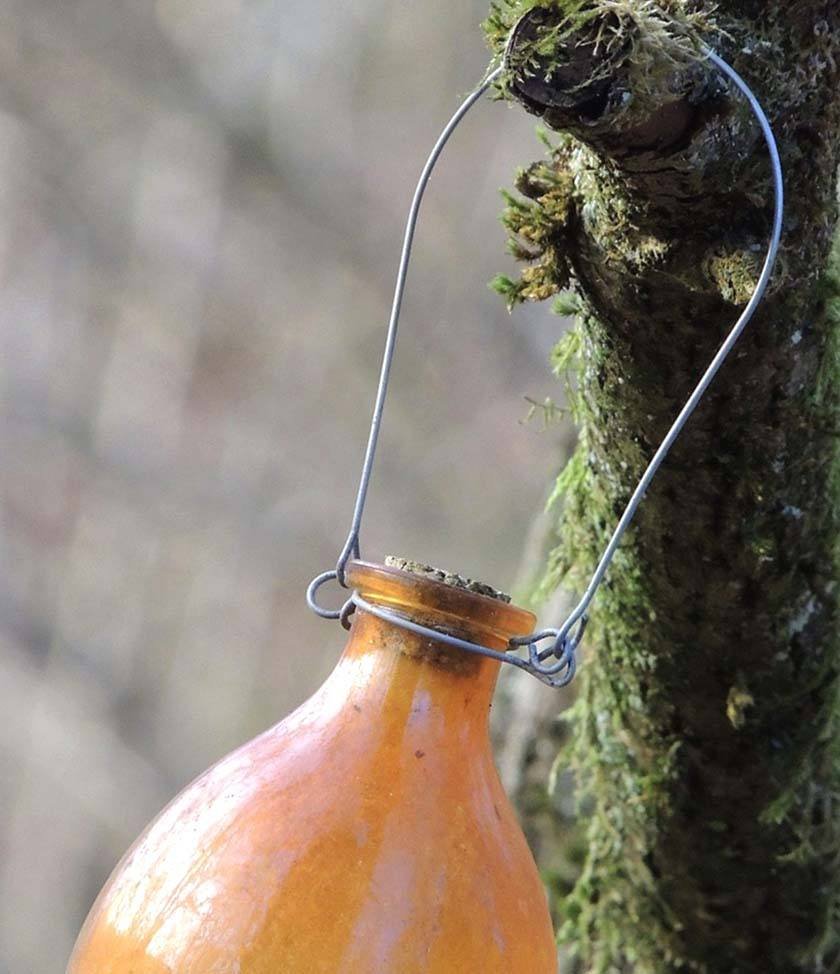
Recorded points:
(447, 578)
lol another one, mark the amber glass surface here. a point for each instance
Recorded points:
(368, 832)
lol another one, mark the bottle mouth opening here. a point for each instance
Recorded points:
(443, 601)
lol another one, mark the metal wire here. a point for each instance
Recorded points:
(566, 639)
(351, 546)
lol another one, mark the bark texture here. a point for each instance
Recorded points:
(706, 732)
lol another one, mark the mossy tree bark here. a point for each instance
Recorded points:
(706, 727)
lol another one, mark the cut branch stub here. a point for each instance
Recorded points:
(640, 92)
(573, 78)
(597, 77)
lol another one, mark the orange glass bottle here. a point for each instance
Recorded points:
(368, 833)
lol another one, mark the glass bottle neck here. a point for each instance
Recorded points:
(392, 667)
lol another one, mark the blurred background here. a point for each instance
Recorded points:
(201, 203)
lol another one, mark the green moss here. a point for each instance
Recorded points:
(739, 702)
(567, 305)
(536, 225)
(734, 272)
(548, 410)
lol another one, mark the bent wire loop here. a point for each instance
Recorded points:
(555, 664)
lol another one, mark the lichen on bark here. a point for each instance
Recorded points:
(706, 727)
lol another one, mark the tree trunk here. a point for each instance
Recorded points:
(706, 733)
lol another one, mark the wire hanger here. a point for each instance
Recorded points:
(555, 664)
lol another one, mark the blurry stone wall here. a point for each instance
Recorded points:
(201, 203)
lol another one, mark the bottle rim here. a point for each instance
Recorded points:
(440, 604)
